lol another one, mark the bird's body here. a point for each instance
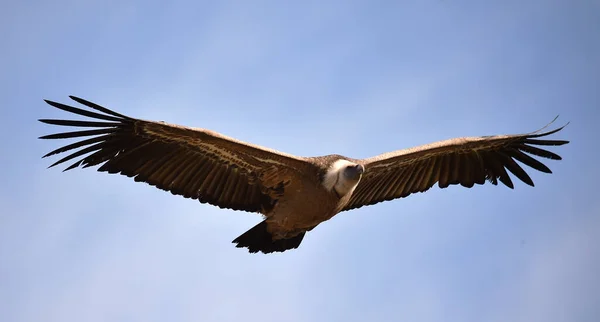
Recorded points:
(294, 194)
(311, 200)
(304, 204)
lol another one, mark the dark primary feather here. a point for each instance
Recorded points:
(465, 161)
(187, 162)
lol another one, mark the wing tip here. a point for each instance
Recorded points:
(539, 132)
(77, 99)
(50, 102)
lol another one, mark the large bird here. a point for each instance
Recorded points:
(294, 194)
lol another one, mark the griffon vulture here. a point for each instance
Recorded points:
(293, 193)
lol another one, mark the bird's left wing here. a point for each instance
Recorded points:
(191, 162)
(465, 161)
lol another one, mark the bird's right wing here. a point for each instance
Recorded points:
(194, 163)
(465, 161)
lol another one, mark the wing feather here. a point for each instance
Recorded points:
(191, 162)
(466, 161)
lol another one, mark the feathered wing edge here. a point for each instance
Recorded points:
(178, 159)
(472, 161)
(104, 132)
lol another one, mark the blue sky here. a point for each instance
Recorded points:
(309, 78)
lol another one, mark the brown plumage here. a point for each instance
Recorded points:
(295, 194)
(466, 161)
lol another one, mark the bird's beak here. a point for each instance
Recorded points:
(360, 169)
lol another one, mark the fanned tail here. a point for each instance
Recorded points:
(258, 239)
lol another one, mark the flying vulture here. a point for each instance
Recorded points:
(294, 194)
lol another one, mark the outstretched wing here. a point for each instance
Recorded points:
(194, 163)
(465, 161)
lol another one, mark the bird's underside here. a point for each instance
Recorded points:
(293, 193)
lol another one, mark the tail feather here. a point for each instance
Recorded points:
(259, 239)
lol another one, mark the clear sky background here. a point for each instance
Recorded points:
(309, 78)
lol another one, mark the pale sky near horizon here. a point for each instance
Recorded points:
(309, 78)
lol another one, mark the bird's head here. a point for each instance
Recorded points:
(343, 176)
